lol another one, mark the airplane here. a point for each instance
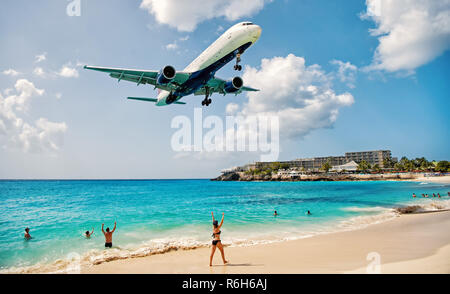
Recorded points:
(197, 78)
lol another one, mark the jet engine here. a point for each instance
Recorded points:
(166, 75)
(234, 85)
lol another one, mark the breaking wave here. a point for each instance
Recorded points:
(365, 209)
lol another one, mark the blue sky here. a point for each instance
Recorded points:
(402, 106)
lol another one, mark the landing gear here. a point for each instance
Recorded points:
(238, 59)
(207, 100)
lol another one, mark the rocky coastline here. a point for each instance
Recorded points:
(326, 177)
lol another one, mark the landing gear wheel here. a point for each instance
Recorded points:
(238, 59)
(207, 100)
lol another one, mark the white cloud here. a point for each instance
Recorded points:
(186, 15)
(41, 57)
(411, 33)
(8, 91)
(11, 72)
(220, 29)
(346, 72)
(68, 72)
(185, 38)
(172, 46)
(43, 135)
(39, 71)
(301, 96)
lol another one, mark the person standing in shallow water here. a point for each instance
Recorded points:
(27, 235)
(108, 235)
(217, 243)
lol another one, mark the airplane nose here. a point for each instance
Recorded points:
(257, 32)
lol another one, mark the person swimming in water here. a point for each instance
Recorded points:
(217, 243)
(108, 235)
(27, 235)
(88, 235)
(414, 195)
(275, 213)
(309, 212)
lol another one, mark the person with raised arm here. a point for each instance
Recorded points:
(108, 235)
(88, 235)
(217, 243)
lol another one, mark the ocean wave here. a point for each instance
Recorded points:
(360, 222)
(365, 209)
(74, 262)
(424, 206)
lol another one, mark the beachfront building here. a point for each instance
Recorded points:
(238, 169)
(315, 164)
(372, 157)
(290, 173)
(348, 167)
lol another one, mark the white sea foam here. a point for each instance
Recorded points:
(365, 209)
(360, 222)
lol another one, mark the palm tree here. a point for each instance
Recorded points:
(326, 166)
(363, 166)
(376, 168)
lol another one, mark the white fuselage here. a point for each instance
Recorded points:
(235, 37)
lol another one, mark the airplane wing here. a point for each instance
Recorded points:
(151, 100)
(142, 76)
(217, 85)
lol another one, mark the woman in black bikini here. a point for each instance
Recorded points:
(216, 242)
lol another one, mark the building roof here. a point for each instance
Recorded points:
(350, 166)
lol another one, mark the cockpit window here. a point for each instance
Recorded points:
(247, 24)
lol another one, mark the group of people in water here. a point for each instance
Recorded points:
(216, 242)
(275, 213)
(107, 233)
(429, 196)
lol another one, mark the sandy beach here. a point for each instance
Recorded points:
(441, 180)
(418, 243)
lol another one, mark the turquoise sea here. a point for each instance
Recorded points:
(154, 216)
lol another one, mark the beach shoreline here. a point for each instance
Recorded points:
(416, 243)
(332, 177)
(437, 180)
